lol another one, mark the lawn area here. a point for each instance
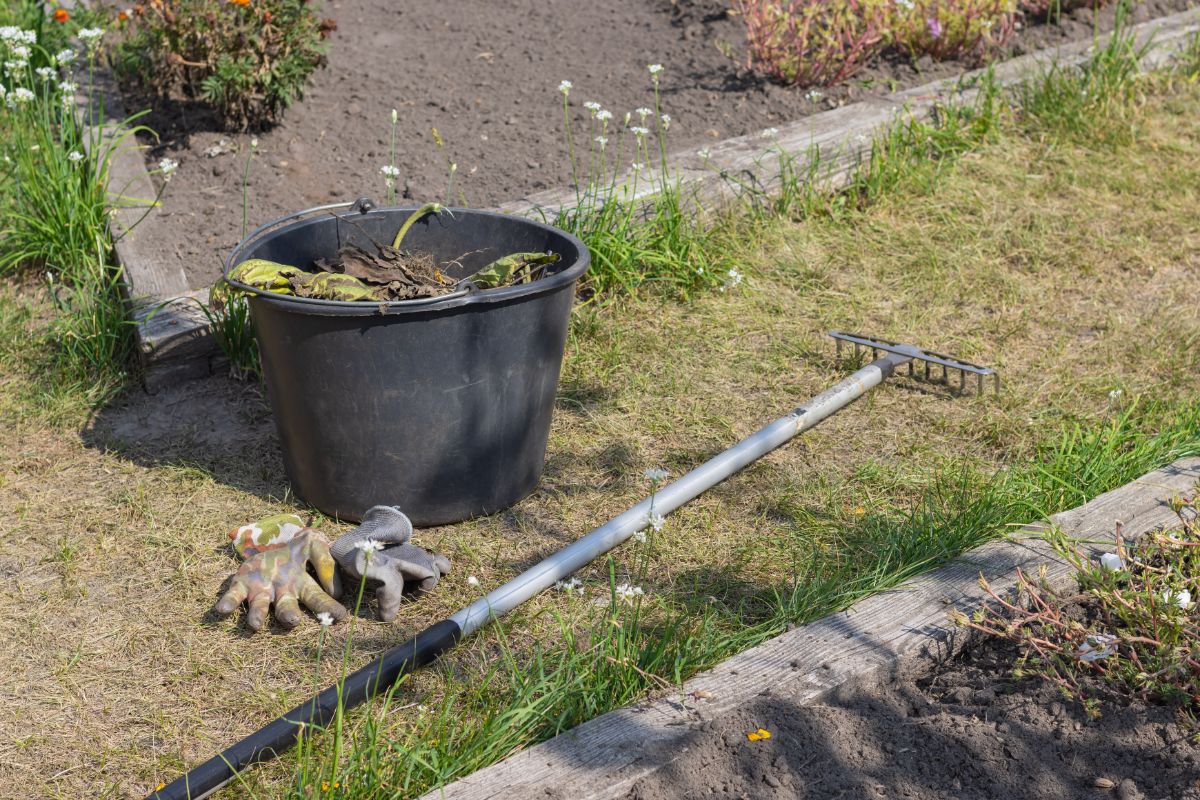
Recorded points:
(1067, 262)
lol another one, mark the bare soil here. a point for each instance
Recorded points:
(963, 729)
(485, 75)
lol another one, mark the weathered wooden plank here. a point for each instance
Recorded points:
(603, 758)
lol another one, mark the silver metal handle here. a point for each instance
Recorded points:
(364, 205)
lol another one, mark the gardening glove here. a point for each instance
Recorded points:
(400, 566)
(277, 552)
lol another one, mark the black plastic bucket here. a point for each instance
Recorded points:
(440, 406)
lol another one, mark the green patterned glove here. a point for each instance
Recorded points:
(277, 552)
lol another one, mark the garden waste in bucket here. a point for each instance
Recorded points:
(440, 406)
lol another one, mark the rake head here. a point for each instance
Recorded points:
(949, 364)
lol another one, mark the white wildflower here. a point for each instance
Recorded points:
(1111, 562)
(168, 166)
(13, 67)
(654, 69)
(732, 279)
(472, 580)
(643, 112)
(666, 121)
(602, 141)
(64, 56)
(704, 154)
(1182, 598)
(655, 520)
(91, 37)
(254, 143)
(390, 170)
(906, 5)
(639, 131)
(325, 618)
(68, 87)
(639, 537)
(369, 546)
(75, 156)
(604, 115)
(637, 167)
(565, 88)
(1115, 394)
(568, 586)
(22, 95)
(46, 73)
(1098, 646)
(770, 133)
(592, 106)
(627, 591)
(68, 100)
(813, 96)
(20, 52)
(656, 474)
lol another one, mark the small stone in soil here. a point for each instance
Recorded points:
(1127, 790)
(1103, 783)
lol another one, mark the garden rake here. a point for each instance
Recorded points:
(383, 673)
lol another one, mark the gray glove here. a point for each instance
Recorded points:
(400, 567)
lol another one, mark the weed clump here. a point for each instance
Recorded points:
(1132, 630)
(248, 61)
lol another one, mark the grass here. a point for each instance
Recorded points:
(1006, 239)
(1019, 252)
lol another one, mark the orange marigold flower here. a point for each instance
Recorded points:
(122, 16)
(61, 15)
(242, 3)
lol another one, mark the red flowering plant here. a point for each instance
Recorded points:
(248, 59)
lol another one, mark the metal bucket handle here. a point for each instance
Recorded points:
(361, 205)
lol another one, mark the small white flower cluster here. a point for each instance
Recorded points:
(12, 36)
(91, 37)
(1112, 562)
(20, 95)
(639, 131)
(390, 172)
(655, 70)
(643, 112)
(68, 90)
(75, 156)
(639, 537)
(813, 96)
(770, 133)
(369, 546)
(46, 73)
(570, 585)
(666, 121)
(167, 167)
(472, 580)
(905, 5)
(733, 278)
(705, 154)
(592, 106)
(656, 520)
(627, 592)
(325, 618)
(602, 141)
(656, 474)
(637, 167)
(565, 88)
(64, 57)
(1115, 395)
(604, 115)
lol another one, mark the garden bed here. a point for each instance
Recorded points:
(964, 728)
(487, 80)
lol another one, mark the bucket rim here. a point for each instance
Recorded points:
(362, 207)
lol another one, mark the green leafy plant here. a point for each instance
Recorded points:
(945, 29)
(1133, 629)
(812, 42)
(248, 60)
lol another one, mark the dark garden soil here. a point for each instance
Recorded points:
(485, 74)
(964, 729)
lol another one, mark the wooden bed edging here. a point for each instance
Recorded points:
(602, 758)
(174, 341)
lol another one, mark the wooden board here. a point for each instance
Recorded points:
(604, 757)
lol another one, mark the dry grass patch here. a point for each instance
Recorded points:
(1071, 270)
